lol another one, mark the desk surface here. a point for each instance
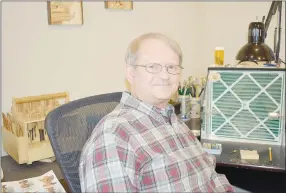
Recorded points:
(230, 158)
(14, 171)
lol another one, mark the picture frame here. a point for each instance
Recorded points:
(65, 12)
(119, 5)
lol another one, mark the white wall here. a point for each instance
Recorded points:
(88, 60)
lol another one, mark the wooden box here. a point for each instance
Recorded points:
(24, 136)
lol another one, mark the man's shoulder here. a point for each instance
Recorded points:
(119, 117)
(106, 126)
(122, 115)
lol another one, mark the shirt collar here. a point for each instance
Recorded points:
(129, 100)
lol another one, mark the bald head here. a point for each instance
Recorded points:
(134, 47)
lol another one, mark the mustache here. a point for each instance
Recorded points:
(165, 84)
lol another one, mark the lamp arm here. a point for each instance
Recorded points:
(277, 44)
(275, 5)
(272, 11)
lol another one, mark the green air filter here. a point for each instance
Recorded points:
(245, 104)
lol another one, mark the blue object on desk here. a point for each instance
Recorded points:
(270, 65)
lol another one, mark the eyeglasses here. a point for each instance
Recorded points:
(156, 68)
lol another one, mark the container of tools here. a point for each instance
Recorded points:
(184, 107)
(24, 136)
(189, 97)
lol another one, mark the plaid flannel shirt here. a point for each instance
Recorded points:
(140, 148)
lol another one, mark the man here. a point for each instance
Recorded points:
(142, 146)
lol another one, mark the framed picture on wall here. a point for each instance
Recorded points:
(120, 5)
(65, 12)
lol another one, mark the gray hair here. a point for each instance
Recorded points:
(131, 54)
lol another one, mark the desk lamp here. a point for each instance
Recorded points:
(256, 50)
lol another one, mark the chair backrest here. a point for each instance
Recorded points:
(70, 125)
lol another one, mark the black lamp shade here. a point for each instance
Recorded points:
(256, 49)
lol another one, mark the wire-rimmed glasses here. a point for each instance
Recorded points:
(156, 68)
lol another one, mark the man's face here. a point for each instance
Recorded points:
(154, 88)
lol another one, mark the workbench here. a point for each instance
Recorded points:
(230, 156)
(14, 171)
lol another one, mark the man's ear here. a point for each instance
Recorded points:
(129, 73)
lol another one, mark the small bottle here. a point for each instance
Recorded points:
(185, 107)
(219, 56)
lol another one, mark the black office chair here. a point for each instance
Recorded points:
(70, 125)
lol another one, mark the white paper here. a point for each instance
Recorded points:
(47, 182)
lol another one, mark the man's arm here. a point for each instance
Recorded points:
(219, 181)
(108, 165)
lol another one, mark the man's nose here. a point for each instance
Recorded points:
(164, 73)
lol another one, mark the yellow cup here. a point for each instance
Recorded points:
(219, 56)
